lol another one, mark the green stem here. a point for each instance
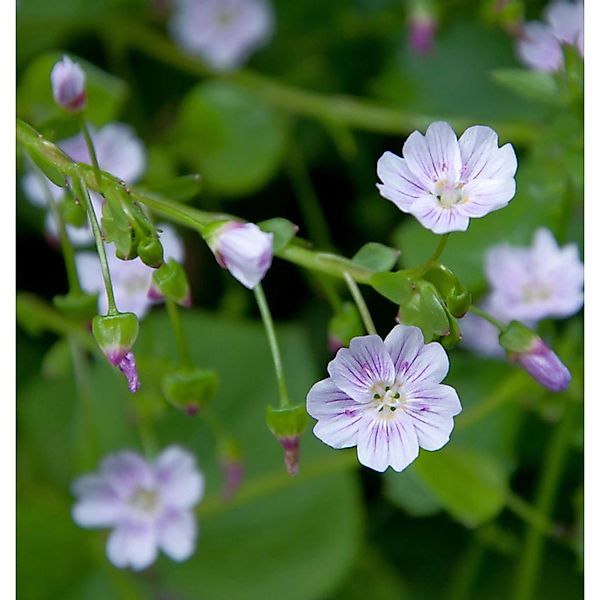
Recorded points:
(363, 309)
(485, 315)
(183, 349)
(92, 151)
(531, 515)
(265, 313)
(465, 576)
(555, 457)
(65, 243)
(421, 270)
(82, 193)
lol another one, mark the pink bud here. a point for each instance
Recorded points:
(68, 84)
(422, 28)
(291, 447)
(544, 366)
(128, 368)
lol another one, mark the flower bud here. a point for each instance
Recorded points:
(422, 26)
(230, 459)
(244, 250)
(78, 306)
(68, 84)
(535, 357)
(171, 282)
(115, 334)
(150, 250)
(128, 368)
(190, 389)
(287, 424)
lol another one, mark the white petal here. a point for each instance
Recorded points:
(431, 365)
(132, 544)
(120, 151)
(177, 533)
(171, 242)
(384, 443)
(355, 370)
(126, 471)
(539, 49)
(482, 196)
(339, 416)
(181, 484)
(435, 156)
(98, 505)
(566, 20)
(35, 192)
(477, 145)
(403, 343)
(433, 216)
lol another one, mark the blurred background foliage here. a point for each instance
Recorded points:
(301, 127)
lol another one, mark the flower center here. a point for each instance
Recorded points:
(388, 398)
(448, 194)
(144, 501)
(533, 293)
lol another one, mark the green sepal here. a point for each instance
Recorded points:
(77, 306)
(115, 334)
(454, 335)
(122, 237)
(397, 287)
(517, 337)
(172, 282)
(287, 421)
(456, 297)
(426, 310)
(150, 251)
(190, 389)
(283, 231)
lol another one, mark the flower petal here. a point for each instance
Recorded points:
(403, 343)
(539, 49)
(132, 544)
(433, 216)
(355, 370)
(431, 365)
(98, 505)
(400, 184)
(338, 414)
(177, 532)
(181, 484)
(482, 196)
(386, 443)
(435, 156)
(125, 472)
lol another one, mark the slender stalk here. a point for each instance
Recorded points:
(183, 349)
(419, 271)
(65, 243)
(528, 567)
(465, 575)
(363, 309)
(82, 193)
(531, 515)
(92, 151)
(265, 313)
(485, 315)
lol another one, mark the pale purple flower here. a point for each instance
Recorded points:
(244, 250)
(131, 279)
(443, 181)
(148, 505)
(68, 84)
(421, 31)
(385, 397)
(223, 33)
(538, 282)
(544, 366)
(119, 151)
(540, 46)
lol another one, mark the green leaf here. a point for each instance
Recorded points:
(230, 136)
(397, 287)
(105, 94)
(471, 486)
(283, 231)
(527, 83)
(407, 491)
(181, 189)
(57, 361)
(376, 257)
(426, 310)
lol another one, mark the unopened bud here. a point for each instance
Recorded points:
(422, 26)
(287, 424)
(190, 389)
(115, 334)
(150, 250)
(171, 282)
(530, 351)
(230, 459)
(128, 367)
(68, 84)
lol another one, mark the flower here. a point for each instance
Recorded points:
(147, 504)
(534, 283)
(544, 366)
(385, 397)
(540, 46)
(119, 151)
(68, 84)
(131, 279)
(222, 32)
(244, 250)
(443, 181)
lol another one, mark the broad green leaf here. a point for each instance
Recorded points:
(283, 232)
(528, 83)
(397, 287)
(180, 189)
(57, 361)
(105, 94)
(229, 136)
(376, 257)
(471, 486)
(407, 491)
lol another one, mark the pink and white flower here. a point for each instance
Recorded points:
(386, 398)
(244, 250)
(540, 46)
(147, 504)
(68, 84)
(539, 282)
(224, 33)
(119, 151)
(443, 181)
(131, 279)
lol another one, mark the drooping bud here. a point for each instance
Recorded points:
(68, 84)
(529, 350)
(190, 389)
(115, 334)
(287, 424)
(128, 368)
(244, 250)
(150, 250)
(343, 326)
(230, 459)
(422, 26)
(171, 282)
